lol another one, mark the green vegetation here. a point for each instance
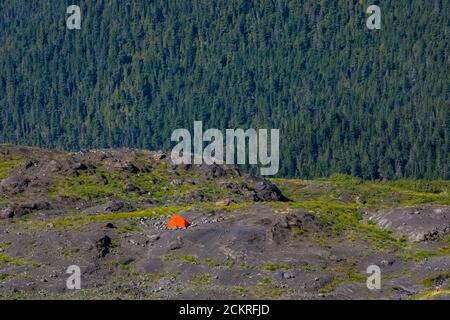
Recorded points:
(4, 276)
(154, 278)
(332, 285)
(446, 239)
(128, 228)
(344, 189)
(431, 282)
(10, 260)
(7, 164)
(5, 245)
(188, 258)
(306, 268)
(348, 273)
(156, 184)
(343, 273)
(79, 220)
(345, 218)
(271, 266)
(422, 186)
(297, 231)
(241, 291)
(211, 263)
(88, 186)
(229, 263)
(5, 259)
(340, 199)
(201, 280)
(432, 294)
(266, 289)
(422, 254)
(182, 258)
(346, 99)
(71, 252)
(128, 265)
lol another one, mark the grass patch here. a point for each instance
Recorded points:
(432, 294)
(11, 261)
(188, 259)
(297, 231)
(128, 228)
(345, 218)
(7, 164)
(306, 268)
(423, 254)
(89, 186)
(421, 186)
(127, 265)
(371, 194)
(70, 253)
(229, 263)
(266, 289)
(332, 285)
(431, 282)
(4, 276)
(271, 266)
(201, 280)
(211, 263)
(241, 291)
(18, 262)
(349, 273)
(182, 258)
(446, 239)
(79, 220)
(156, 184)
(154, 278)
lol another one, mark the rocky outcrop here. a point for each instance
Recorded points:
(108, 181)
(416, 224)
(18, 210)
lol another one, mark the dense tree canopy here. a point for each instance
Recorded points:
(372, 103)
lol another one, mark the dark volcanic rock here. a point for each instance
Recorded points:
(213, 171)
(282, 229)
(132, 188)
(131, 168)
(104, 245)
(267, 191)
(14, 184)
(256, 189)
(116, 206)
(110, 207)
(79, 166)
(15, 211)
(109, 225)
(102, 180)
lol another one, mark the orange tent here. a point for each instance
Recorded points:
(177, 221)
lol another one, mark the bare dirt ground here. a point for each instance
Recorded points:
(106, 211)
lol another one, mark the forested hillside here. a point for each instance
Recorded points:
(371, 103)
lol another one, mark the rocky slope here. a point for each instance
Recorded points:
(106, 211)
(54, 183)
